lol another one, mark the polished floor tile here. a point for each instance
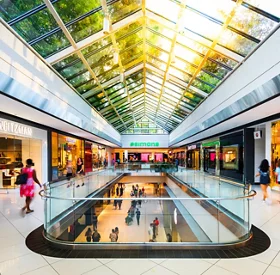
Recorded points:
(125, 267)
(75, 266)
(216, 270)
(194, 267)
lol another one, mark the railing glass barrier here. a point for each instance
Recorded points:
(196, 215)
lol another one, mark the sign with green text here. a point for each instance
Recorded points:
(144, 144)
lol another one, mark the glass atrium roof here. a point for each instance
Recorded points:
(146, 62)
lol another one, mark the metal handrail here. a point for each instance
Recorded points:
(253, 193)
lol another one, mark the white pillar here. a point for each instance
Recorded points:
(126, 154)
(268, 141)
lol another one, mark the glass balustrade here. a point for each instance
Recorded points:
(191, 207)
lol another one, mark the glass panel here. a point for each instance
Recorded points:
(270, 6)
(35, 25)
(122, 9)
(158, 40)
(51, 44)
(236, 42)
(80, 79)
(224, 60)
(215, 69)
(72, 9)
(151, 24)
(90, 85)
(72, 70)
(187, 55)
(65, 62)
(197, 23)
(216, 8)
(156, 63)
(87, 26)
(95, 46)
(11, 9)
(157, 53)
(179, 74)
(127, 30)
(100, 56)
(130, 40)
(252, 23)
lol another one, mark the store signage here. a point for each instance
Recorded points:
(15, 128)
(70, 140)
(144, 144)
(211, 143)
(257, 134)
(192, 147)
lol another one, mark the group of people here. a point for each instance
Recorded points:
(120, 189)
(137, 192)
(114, 235)
(94, 236)
(153, 230)
(132, 211)
(79, 171)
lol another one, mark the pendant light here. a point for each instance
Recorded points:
(116, 57)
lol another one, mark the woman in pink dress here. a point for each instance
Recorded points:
(28, 189)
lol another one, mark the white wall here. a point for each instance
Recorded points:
(263, 65)
(38, 85)
(162, 139)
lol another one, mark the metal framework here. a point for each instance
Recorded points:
(170, 61)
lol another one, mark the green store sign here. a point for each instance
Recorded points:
(144, 144)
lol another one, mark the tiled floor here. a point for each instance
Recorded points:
(16, 258)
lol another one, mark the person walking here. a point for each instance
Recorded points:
(80, 169)
(121, 191)
(277, 173)
(115, 204)
(94, 221)
(96, 236)
(113, 236)
(88, 234)
(120, 204)
(138, 214)
(117, 233)
(117, 190)
(27, 190)
(264, 178)
(69, 172)
(154, 230)
(156, 224)
(150, 232)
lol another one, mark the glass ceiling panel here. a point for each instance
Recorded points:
(87, 26)
(216, 8)
(236, 42)
(96, 46)
(122, 9)
(51, 44)
(270, 6)
(170, 104)
(252, 23)
(11, 9)
(35, 25)
(71, 9)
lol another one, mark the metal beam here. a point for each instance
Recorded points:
(214, 43)
(79, 53)
(94, 38)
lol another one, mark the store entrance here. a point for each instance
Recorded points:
(210, 160)
(14, 151)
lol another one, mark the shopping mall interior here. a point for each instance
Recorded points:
(139, 137)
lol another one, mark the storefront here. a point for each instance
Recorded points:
(231, 156)
(95, 156)
(19, 142)
(64, 149)
(193, 156)
(211, 157)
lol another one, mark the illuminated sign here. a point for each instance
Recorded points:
(14, 128)
(144, 144)
(192, 147)
(70, 140)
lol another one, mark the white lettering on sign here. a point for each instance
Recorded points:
(192, 147)
(15, 128)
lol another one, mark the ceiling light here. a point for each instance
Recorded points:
(106, 25)
(116, 58)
